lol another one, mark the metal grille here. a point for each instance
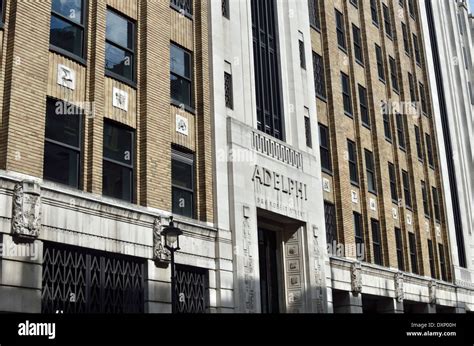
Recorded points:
(330, 217)
(76, 280)
(185, 6)
(229, 98)
(192, 289)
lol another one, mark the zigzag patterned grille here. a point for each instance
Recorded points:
(79, 281)
(191, 289)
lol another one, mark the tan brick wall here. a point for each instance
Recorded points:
(28, 76)
(343, 127)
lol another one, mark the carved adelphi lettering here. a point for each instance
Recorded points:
(279, 182)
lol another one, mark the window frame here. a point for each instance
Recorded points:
(413, 253)
(392, 174)
(78, 149)
(358, 228)
(131, 167)
(407, 190)
(419, 146)
(358, 50)
(364, 107)
(442, 263)
(387, 22)
(341, 31)
(374, 13)
(327, 149)
(401, 136)
(380, 64)
(318, 68)
(436, 204)
(376, 242)
(190, 159)
(353, 168)
(424, 196)
(83, 25)
(429, 150)
(229, 90)
(431, 259)
(387, 126)
(314, 12)
(370, 172)
(190, 108)
(406, 41)
(187, 14)
(131, 82)
(330, 223)
(399, 249)
(346, 94)
(394, 74)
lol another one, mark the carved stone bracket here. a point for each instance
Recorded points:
(432, 291)
(161, 255)
(356, 277)
(399, 290)
(26, 213)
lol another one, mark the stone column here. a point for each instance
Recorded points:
(348, 303)
(390, 306)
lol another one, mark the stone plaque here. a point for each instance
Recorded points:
(120, 99)
(66, 77)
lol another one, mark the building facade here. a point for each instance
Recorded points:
(296, 143)
(448, 29)
(106, 133)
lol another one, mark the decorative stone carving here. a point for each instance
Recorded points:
(356, 277)
(432, 292)
(26, 214)
(161, 255)
(399, 291)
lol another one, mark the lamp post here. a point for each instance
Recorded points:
(171, 234)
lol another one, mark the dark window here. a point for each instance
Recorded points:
(182, 172)
(387, 127)
(226, 9)
(358, 231)
(228, 88)
(117, 176)
(302, 55)
(406, 42)
(393, 74)
(373, 11)
(376, 242)
(341, 34)
(424, 195)
(393, 182)
(364, 110)
(62, 147)
(370, 169)
(183, 6)
(406, 189)
(417, 49)
(67, 26)
(442, 263)
(330, 217)
(399, 245)
(436, 207)
(380, 69)
(181, 76)
(120, 47)
(307, 129)
(429, 150)
(424, 107)
(413, 253)
(400, 131)
(355, 3)
(319, 76)
(346, 94)
(314, 16)
(325, 148)
(419, 149)
(387, 21)
(267, 68)
(357, 44)
(411, 8)
(352, 156)
(431, 258)
(411, 84)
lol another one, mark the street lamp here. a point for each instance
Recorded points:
(171, 235)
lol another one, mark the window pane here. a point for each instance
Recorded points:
(61, 165)
(66, 36)
(119, 30)
(119, 61)
(118, 144)
(183, 202)
(71, 9)
(117, 181)
(61, 126)
(181, 90)
(182, 174)
(180, 62)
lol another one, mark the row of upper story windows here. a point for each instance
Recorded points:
(67, 37)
